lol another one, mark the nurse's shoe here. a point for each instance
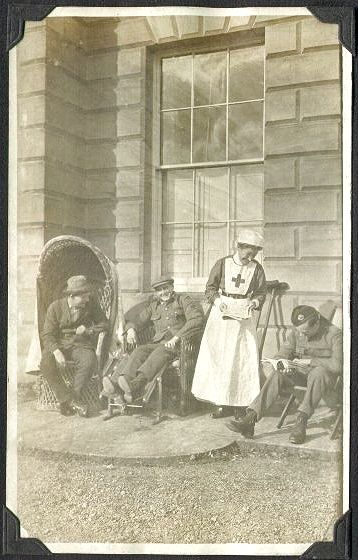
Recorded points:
(244, 426)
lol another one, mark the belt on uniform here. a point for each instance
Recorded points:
(234, 296)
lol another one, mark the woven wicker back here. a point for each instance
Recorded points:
(66, 256)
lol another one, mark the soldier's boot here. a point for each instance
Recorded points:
(298, 432)
(245, 425)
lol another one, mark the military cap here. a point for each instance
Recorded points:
(303, 313)
(162, 281)
(78, 285)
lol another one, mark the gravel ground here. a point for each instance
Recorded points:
(230, 497)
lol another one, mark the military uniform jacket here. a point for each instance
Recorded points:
(324, 349)
(176, 317)
(59, 320)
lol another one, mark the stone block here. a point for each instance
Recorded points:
(280, 105)
(31, 207)
(61, 147)
(129, 121)
(101, 125)
(280, 173)
(72, 89)
(31, 175)
(63, 53)
(31, 78)
(304, 277)
(106, 94)
(188, 26)
(31, 142)
(299, 69)
(320, 101)
(281, 38)
(128, 245)
(65, 117)
(317, 34)
(101, 155)
(128, 214)
(320, 241)
(279, 242)
(70, 28)
(162, 28)
(300, 207)
(102, 35)
(134, 31)
(213, 24)
(30, 240)
(102, 185)
(301, 138)
(101, 214)
(104, 241)
(130, 276)
(32, 46)
(114, 64)
(31, 110)
(69, 212)
(26, 303)
(129, 153)
(129, 182)
(318, 171)
(65, 180)
(26, 273)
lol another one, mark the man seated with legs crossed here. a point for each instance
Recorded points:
(314, 348)
(70, 332)
(173, 316)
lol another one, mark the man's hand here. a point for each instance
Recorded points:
(171, 343)
(253, 304)
(60, 358)
(81, 329)
(131, 337)
(302, 365)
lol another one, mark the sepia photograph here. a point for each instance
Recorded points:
(179, 268)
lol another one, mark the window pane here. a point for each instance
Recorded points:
(178, 196)
(210, 78)
(176, 137)
(211, 194)
(176, 82)
(209, 246)
(246, 193)
(209, 136)
(246, 74)
(246, 130)
(177, 250)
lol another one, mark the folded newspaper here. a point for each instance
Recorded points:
(236, 308)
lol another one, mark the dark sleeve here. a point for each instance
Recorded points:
(335, 362)
(260, 290)
(288, 348)
(100, 322)
(142, 318)
(213, 283)
(51, 331)
(193, 313)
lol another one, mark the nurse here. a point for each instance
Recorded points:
(227, 369)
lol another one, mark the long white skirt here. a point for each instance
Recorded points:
(227, 369)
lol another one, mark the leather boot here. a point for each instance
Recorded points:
(244, 426)
(138, 385)
(239, 412)
(298, 433)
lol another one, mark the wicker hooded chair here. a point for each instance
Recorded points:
(66, 256)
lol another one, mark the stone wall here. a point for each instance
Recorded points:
(84, 141)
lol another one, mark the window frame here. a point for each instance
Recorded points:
(240, 39)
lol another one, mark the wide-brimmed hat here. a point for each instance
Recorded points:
(250, 237)
(78, 285)
(162, 281)
(303, 313)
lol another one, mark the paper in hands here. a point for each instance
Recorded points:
(236, 308)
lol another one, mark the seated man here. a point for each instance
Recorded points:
(173, 316)
(70, 332)
(315, 346)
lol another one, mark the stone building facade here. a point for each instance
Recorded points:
(87, 134)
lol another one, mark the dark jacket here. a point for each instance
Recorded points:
(216, 281)
(176, 317)
(58, 320)
(325, 349)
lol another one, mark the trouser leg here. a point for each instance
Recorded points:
(319, 382)
(52, 374)
(135, 360)
(85, 366)
(272, 388)
(159, 358)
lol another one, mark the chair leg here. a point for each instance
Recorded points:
(285, 411)
(160, 400)
(337, 425)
